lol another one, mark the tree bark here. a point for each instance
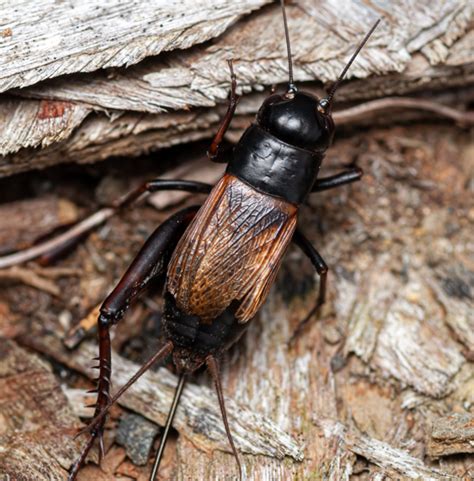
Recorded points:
(126, 112)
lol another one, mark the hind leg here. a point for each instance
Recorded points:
(150, 263)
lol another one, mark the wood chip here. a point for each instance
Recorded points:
(452, 434)
(34, 218)
(394, 461)
(30, 278)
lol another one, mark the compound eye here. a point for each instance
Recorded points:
(323, 106)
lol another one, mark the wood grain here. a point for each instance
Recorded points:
(404, 56)
(132, 134)
(322, 41)
(199, 415)
(31, 123)
(46, 39)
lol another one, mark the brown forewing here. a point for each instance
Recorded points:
(231, 251)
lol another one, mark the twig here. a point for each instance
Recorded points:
(55, 272)
(27, 276)
(362, 111)
(85, 225)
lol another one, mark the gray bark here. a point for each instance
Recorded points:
(417, 48)
(46, 39)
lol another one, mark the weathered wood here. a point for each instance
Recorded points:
(370, 390)
(198, 417)
(364, 386)
(132, 134)
(394, 462)
(37, 124)
(128, 135)
(36, 421)
(403, 56)
(322, 42)
(46, 39)
(454, 293)
(32, 123)
(397, 323)
(452, 434)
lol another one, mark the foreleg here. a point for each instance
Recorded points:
(213, 153)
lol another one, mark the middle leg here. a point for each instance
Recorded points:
(158, 185)
(321, 268)
(347, 177)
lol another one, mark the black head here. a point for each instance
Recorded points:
(299, 119)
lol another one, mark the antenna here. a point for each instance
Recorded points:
(346, 68)
(291, 85)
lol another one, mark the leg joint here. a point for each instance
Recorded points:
(323, 270)
(106, 318)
